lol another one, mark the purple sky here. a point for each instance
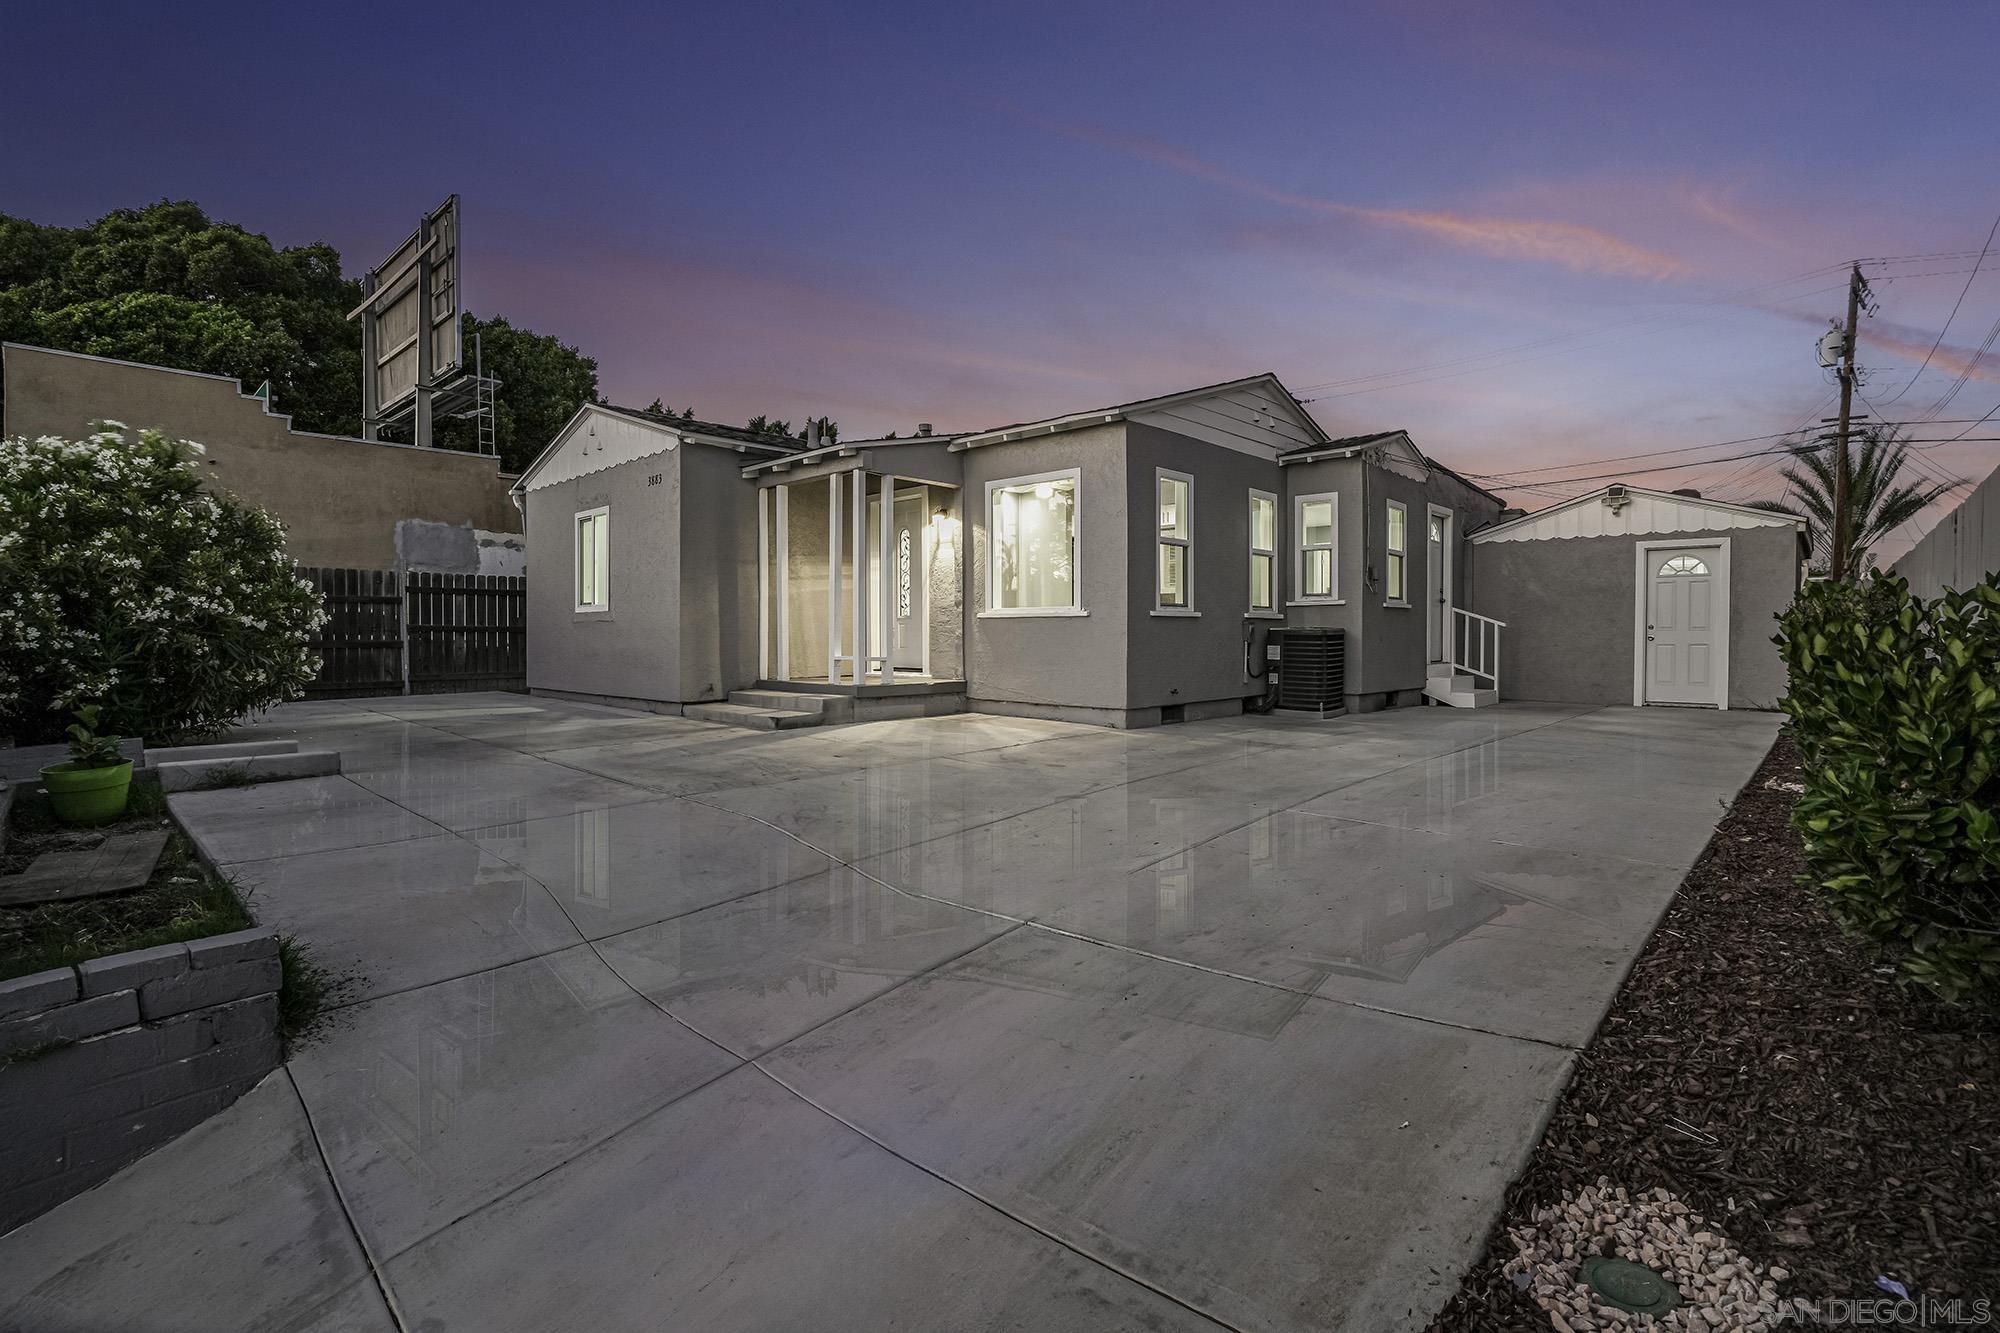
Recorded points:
(895, 213)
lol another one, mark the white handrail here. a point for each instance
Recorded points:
(1475, 645)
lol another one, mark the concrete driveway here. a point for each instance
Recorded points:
(955, 1023)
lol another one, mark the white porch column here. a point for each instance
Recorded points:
(888, 585)
(833, 578)
(860, 574)
(763, 583)
(784, 584)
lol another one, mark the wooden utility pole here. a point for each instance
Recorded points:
(1841, 536)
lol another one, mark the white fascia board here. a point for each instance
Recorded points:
(1053, 426)
(669, 439)
(1739, 516)
(1124, 411)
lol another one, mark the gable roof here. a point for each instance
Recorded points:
(1236, 410)
(1351, 442)
(664, 433)
(1644, 511)
(708, 432)
(1348, 445)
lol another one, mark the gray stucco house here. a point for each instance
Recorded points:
(1124, 565)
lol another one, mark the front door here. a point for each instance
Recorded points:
(907, 583)
(1684, 644)
(1437, 585)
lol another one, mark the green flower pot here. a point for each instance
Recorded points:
(88, 795)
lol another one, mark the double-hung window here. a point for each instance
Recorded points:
(1031, 538)
(593, 560)
(1315, 520)
(1396, 568)
(1263, 551)
(1175, 492)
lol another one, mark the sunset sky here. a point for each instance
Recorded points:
(1532, 234)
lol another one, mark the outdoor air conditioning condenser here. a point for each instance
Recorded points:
(1312, 670)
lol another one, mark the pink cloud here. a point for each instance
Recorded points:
(1908, 344)
(1573, 245)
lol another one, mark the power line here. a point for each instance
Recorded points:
(1703, 462)
(1621, 458)
(1991, 232)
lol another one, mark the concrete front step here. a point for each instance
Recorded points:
(755, 719)
(228, 771)
(830, 707)
(1461, 695)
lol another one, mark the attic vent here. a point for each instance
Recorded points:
(1689, 491)
(923, 428)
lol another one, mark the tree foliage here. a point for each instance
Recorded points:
(169, 285)
(1877, 503)
(1895, 702)
(125, 585)
(543, 380)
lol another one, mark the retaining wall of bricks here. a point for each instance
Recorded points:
(107, 1060)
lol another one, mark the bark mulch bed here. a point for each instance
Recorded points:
(1845, 1126)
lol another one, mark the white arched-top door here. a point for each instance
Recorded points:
(1687, 634)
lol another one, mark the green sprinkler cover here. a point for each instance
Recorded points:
(1629, 1286)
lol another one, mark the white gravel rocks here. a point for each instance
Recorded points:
(1721, 1291)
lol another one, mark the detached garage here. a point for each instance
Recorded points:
(1634, 596)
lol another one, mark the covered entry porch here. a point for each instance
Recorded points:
(859, 588)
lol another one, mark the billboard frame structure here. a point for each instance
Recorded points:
(413, 369)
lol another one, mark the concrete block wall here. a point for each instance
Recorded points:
(107, 1060)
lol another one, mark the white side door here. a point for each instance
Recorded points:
(1437, 584)
(1685, 643)
(909, 582)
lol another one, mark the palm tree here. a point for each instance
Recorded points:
(1876, 504)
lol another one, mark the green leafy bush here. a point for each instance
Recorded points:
(89, 747)
(124, 584)
(1895, 701)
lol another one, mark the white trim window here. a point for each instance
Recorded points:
(1316, 568)
(1032, 539)
(1263, 551)
(1396, 565)
(593, 560)
(1173, 585)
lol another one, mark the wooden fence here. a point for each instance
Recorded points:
(420, 634)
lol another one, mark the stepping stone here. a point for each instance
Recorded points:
(122, 861)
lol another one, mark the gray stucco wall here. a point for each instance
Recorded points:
(1192, 659)
(1056, 661)
(633, 649)
(718, 579)
(1397, 637)
(1343, 477)
(1569, 605)
(1387, 646)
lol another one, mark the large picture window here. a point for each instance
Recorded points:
(1316, 521)
(1031, 545)
(593, 560)
(1263, 551)
(1175, 492)
(1395, 571)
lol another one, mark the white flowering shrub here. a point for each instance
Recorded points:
(123, 583)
